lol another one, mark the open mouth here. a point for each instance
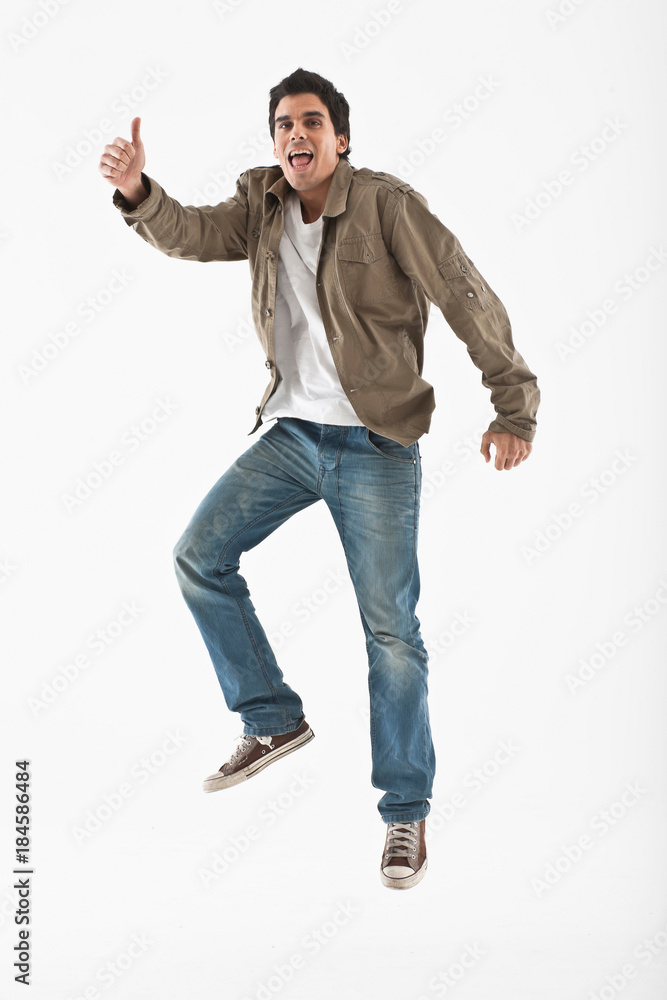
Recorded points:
(300, 159)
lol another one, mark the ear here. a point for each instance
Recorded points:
(341, 143)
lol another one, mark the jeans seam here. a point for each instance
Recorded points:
(224, 583)
(340, 514)
(410, 617)
(272, 690)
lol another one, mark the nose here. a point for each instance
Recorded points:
(298, 132)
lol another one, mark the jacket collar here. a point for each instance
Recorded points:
(336, 195)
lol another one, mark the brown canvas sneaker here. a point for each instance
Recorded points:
(254, 753)
(404, 860)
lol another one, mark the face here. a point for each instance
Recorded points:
(302, 122)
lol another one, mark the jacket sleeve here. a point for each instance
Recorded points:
(432, 256)
(217, 232)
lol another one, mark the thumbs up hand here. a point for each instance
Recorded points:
(122, 162)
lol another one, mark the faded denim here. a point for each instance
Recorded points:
(372, 486)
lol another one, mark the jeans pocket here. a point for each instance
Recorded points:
(389, 448)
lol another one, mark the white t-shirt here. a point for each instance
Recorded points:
(310, 387)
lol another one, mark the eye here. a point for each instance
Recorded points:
(314, 121)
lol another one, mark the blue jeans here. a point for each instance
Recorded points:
(371, 485)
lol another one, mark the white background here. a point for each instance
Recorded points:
(124, 910)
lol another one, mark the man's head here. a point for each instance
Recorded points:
(307, 112)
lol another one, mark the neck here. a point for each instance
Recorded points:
(312, 204)
(313, 201)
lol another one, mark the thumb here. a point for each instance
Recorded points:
(136, 138)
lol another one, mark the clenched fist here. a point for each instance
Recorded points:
(122, 162)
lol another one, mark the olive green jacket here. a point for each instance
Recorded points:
(384, 258)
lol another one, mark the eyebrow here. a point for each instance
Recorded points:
(306, 114)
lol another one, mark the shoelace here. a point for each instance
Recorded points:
(402, 840)
(244, 742)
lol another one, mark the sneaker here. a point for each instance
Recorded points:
(404, 860)
(254, 753)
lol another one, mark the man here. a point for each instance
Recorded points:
(344, 264)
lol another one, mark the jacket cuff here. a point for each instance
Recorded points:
(503, 426)
(145, 209)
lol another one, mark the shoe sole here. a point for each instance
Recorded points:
(218, 781)
(404, 883)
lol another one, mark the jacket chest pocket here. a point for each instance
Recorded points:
(366, 269)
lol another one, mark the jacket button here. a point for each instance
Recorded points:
(270, 255)
(257, 409)
(483, 288)
(267, 363)
(267, 312)
(464, 268)
(256, 233)
(470, 295)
